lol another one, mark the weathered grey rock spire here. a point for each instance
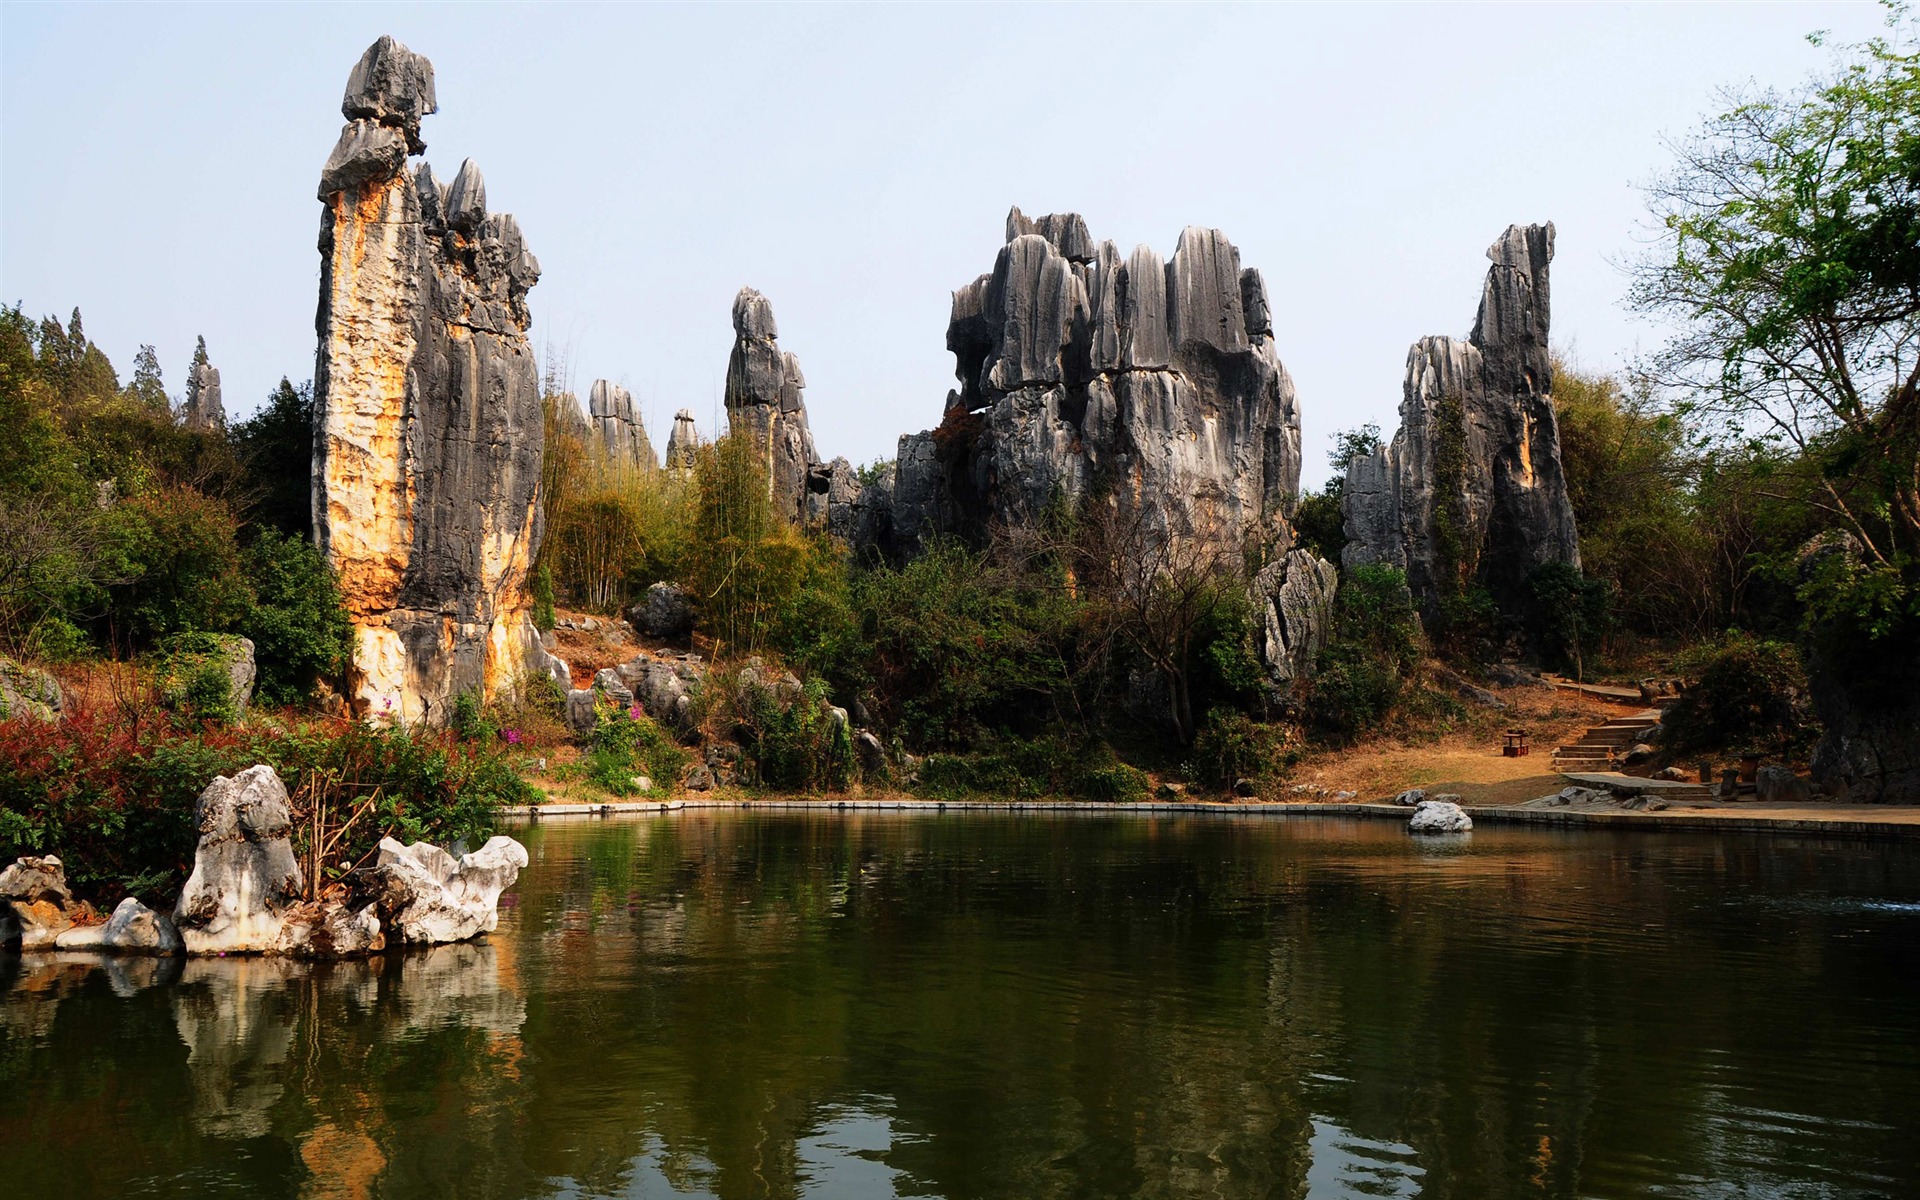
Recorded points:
(203, 409)
(1157, 383)
(1471, 490)
(764, 403)
(622, 434)
(683, 443)
(429, 426)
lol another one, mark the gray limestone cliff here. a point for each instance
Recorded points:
(1153, 383)
(1470, 491)
(622, 435)
(429, 425)
(764, 404)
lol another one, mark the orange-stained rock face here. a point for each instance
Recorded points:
(427, 455)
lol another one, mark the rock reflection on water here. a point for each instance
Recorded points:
(737, 1006)
(269, 1055)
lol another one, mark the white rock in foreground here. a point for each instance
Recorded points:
(133, 929)
(1439, 816)
(244, 873)
(426, 896)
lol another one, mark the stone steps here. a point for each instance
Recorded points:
(1602, 744)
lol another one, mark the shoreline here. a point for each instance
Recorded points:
(1851, 825)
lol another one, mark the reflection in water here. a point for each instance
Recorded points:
(1345, 1164)
(259, 1048)
(796, 1006)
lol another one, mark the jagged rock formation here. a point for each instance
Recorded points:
(426, 896)
(430, 427)
(26, 693)
(764, 404)
(1293, 597)
(683, 443)
(1470, 490)
(1080, 370)
(35, 905)
(244, 874)
(203, 409)
(570, 419)
(623, 436)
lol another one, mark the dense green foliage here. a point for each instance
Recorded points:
(120, 526)
(114, 795)
(1568, 615)
(1231, 746)
(276, 447)
(627, 746)
(1372, 656)
(1791, 263)
(296, 620)
(954, 647)
(795, 743)
(1747, 693)
(1033, 768)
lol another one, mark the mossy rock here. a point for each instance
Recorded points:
(27, 694)
(207, 674)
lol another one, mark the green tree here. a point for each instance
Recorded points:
(147, 389)
(1790, 260)
(761, 584)
(1317, 521)
(957, 644)
(177, 551)
(1373, 653)
(298, 621)
(275, 448)
(1631, 469)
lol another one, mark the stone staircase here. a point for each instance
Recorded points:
(1603, 746)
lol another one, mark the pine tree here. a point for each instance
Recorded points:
(147, 387)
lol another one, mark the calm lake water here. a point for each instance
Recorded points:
(745, 1005)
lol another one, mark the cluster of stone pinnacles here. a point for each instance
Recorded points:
(1154, 384)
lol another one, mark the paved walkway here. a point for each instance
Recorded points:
(1841, 820)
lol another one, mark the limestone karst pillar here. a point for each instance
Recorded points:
(429, 428)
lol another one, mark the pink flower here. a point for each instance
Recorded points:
(513, 737)
(633, 713)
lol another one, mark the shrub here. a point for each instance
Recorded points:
(799, 742)
(955, 648)
(470, 721)
(115, 797)
(1031, 769)
(1230, 746)
(626, 743)
(1747, 693)
(1371, 656)
(1568, 614)
(192, 676)
(298, 621)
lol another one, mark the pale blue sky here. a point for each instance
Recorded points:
(158, 166)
